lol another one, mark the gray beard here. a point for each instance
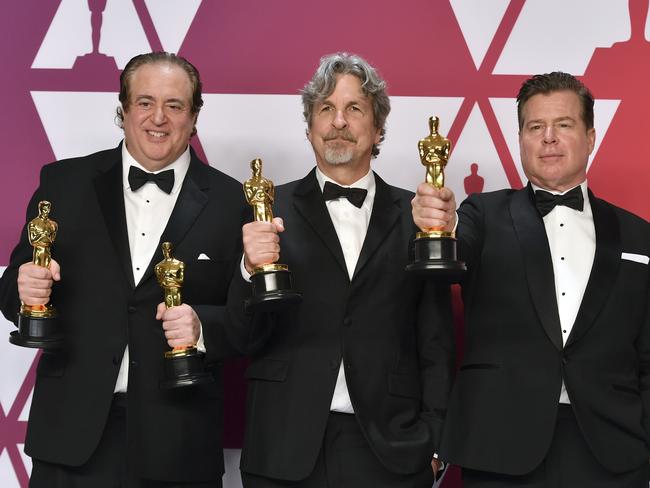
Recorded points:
(335, 156)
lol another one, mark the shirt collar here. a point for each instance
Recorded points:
(367, 182)
(180, 167)
(583, 188)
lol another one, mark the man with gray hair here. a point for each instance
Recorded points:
(350, 387)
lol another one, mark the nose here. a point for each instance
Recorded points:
(549, 135)
(339, 121)
(158, 115)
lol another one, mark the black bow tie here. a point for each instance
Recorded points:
(355, 196)
(164, 179)
(545, 201)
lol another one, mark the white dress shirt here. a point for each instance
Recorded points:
(147, 212)
(351, 225)
(572, 241)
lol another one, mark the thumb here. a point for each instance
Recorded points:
(279, 224)
(55, 269)
(160, 310)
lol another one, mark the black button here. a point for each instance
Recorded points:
(563, 293)
(133, 363)
(562, 258)
(347, 321)
(564, 358)
(561, 225)
(131, 309)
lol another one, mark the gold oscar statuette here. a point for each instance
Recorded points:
(183, 364)
(435, 249)
(271, 282)
(37, 324)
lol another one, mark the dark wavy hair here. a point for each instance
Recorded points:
(155, 58)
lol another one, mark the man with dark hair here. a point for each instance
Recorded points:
(554, 388)
(350, 387)
(99, 417)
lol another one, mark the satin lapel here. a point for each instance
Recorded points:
(110, 195)
(607, 261)
(385, 212)
(531, 234)
(309, 203)
(189, 205)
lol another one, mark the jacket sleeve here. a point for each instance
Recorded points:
(436, 354)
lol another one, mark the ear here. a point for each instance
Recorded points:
(377, 136)
(591, 137)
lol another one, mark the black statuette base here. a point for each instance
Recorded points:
(37, 332)
(185, 370)
(436, 257)
(272, 290)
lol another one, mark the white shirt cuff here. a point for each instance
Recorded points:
(244, 272)
(200, 344)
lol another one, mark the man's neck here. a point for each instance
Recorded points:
(344, 174)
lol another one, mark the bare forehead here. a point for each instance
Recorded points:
(557, 104)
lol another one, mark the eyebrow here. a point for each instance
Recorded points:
(169, 100)
(557, 119)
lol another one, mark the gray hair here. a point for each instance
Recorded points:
(323, 83)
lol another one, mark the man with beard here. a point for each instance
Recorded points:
(350, 387)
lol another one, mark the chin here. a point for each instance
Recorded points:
(336, 158)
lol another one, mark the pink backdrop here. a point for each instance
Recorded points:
(461, 59)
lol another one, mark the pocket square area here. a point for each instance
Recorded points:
(203, 257)
(637, 258)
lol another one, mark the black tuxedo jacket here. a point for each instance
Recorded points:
(392, 331)
(173, 435)
(503, 407)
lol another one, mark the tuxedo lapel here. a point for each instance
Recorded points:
(191, 200)
(531, 234)
(385, 212)
(607, 260)
(110, 195)
(309, 203)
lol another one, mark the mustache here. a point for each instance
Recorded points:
(345, 134)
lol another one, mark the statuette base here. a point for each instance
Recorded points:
(185, 368)
(435, 257)
(272, 289)
(37, 332)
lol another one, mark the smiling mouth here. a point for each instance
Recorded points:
(156, 133)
